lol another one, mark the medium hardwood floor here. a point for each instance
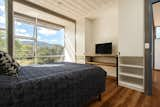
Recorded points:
(124, 97)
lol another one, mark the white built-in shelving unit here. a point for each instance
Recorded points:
(131, 44)
(131, 73)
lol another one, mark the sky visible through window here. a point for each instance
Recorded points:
(2, 14)
(24, 29)
(158, 32)
(45, 35)
(51, 36)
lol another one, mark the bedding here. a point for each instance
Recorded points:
(56, 85)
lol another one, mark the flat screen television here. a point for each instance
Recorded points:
(105, 48)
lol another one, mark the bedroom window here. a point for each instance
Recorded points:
(38, 42)
(50, 45)
(157, 32)
(24, 42)
(3, 34)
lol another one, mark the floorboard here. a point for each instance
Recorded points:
(123, 97)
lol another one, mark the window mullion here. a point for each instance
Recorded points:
(24, 37)
(9, 17)
(35, 44)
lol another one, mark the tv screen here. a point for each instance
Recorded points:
(105, 48)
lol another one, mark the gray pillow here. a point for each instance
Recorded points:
(8, 66)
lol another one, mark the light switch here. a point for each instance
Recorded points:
(147, 46)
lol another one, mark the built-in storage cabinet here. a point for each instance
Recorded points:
(131, 44)
(131, 72)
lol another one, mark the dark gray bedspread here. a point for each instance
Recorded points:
(57, 85)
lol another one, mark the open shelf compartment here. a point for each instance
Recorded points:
(131, 72)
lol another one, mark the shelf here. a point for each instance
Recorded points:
(132, 60)
(131, 72)
(132, 86)
(102, 63)
(132, 66)
(101, 55)
(132, 75)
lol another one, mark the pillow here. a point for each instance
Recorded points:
(8, 66)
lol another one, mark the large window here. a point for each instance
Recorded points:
(3, 35)
(157, 32)
(38, 44)
(50, 45)
(24, 42)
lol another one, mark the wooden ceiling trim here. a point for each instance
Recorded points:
(50, 4)
(71, 8)
(76, 6)
(91, 4)
(90, 8)
(74, 2)
(94, 4)
(105, 1)
(83, 5)
(62, 8)
(30, 4)
(97, 2)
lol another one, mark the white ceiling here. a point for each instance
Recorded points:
(72, 8)
(156, 14)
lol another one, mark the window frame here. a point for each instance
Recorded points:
(36, 23)
(24, 37)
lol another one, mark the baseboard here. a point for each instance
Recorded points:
(156, 69)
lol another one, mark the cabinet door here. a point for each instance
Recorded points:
(131, 27)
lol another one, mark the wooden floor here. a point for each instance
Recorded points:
(123, 97)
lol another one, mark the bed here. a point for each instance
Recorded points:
(52, 85)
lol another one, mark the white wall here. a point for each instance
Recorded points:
(120, 22)
(157, 54)
(80, 37)
(89, 31)
(70, 42)
(84, 39)
(105, 26)
(80, 41)
(100, 26)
